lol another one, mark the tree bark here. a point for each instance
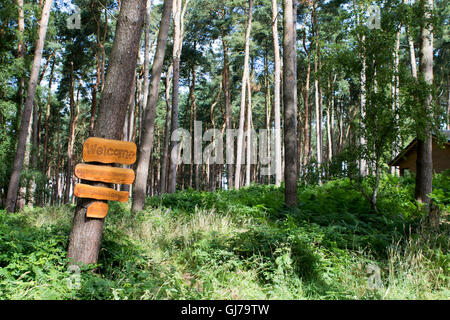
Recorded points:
(317, 96)
(227, 98)
(165, 156)
(86, 235)
(177, 45)
(362, 140)
(148, 125)
(249, 133)
(147, 53)
(424, 163)
(71, 135)
(20, 51)
(245, 76)
(307, 127)
(47, 121)
(26, 114)
(194, 118)
(290, 102)
(276, 93)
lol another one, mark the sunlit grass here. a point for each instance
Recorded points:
(234, 245)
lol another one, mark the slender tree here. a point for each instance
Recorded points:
(245, 76)
(27, 110)
(165, 155)
(276, 93)
(424, 163)
(178, 24)
(290, 102)
(148, 125)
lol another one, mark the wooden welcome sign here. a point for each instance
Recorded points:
(104, 151)
(109, 151)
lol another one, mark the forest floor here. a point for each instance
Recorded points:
(238, 245)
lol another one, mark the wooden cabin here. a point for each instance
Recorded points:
(406, 159)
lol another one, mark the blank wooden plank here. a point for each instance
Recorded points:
(109, 151)
(99, 193)
(104, 174)
(97, 209)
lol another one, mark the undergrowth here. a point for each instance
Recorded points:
(239, 245)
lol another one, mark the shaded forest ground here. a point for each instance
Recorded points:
(239, 245)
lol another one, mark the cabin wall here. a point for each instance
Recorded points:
(441, 159)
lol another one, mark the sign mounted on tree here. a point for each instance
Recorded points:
(99, 193)
(109, 151)
(104, 151)
(104, 174)
(97, 209)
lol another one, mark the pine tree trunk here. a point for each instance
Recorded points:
(165, 156)
(290, 102)
(147, 52)
(276, 93)
(245, 76)
(47, 121)
(20, 51)
(424, 163)
(194, 118)
(249, 134)
(307, 127)
(28, 108)
(177, 45)
(71, 136)
(362, 139)
(317, 96)
(86, 235)
(267, 102)
(146, 140)
(227, 98)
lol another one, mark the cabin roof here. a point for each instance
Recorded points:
(413, 145)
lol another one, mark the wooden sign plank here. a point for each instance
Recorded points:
(97, 209)
(109, 151)
(99, 193)
(104, 174)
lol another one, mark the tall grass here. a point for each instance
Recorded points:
(236, 245)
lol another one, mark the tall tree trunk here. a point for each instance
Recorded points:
(290, 101)
(20, 52)
(86, 235)
(194, 119)
(317, 95)
(267, 102)
(424, 163)
(165, 156)
(362, 140)
(227, 98)
(71, 136)
(47, 121)
(330, 117)
(58, 161)
(249, 133)
(28, 108)
(148, 125)
(396, 93)
(177, 45)
(147, 52)
(276, 93)
(245, 76)
(412, 52)
(307, 111)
